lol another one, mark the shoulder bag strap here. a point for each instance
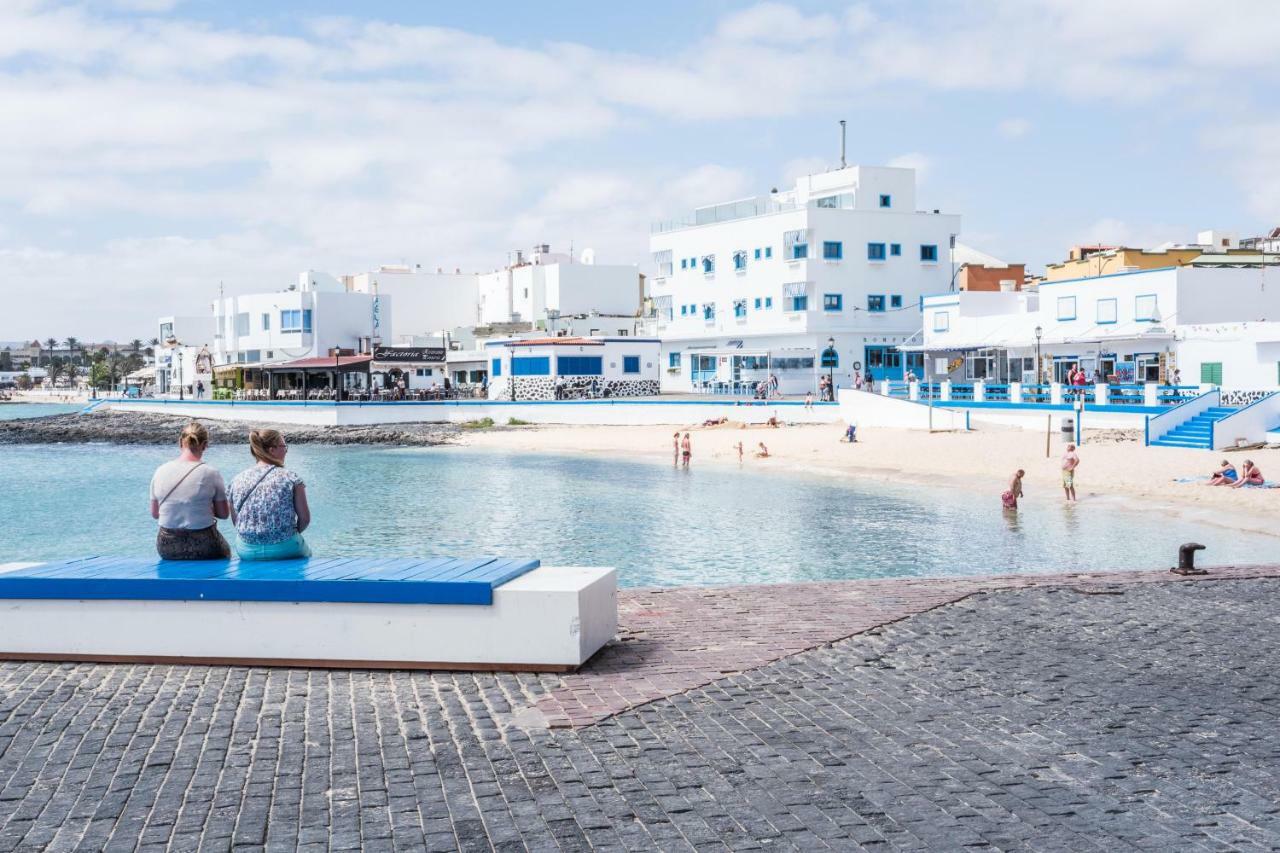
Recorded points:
(245, 499)
(179, 483)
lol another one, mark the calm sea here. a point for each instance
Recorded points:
(657, 525)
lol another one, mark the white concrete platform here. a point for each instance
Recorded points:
(551, 619)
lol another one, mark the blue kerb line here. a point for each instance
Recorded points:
(732, 401)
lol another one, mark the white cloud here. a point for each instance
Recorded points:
(350, 141)
(1013, 128)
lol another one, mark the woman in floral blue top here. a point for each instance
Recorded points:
(269, 503)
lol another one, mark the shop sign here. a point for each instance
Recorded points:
(409, 354)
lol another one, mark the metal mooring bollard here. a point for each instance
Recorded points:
(1187, 560)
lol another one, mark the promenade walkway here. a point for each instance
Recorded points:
(1128, 711)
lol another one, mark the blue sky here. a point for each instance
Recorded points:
(153, 149)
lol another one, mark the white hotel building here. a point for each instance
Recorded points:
(758, 286)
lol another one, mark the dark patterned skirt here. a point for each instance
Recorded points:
(206, 544)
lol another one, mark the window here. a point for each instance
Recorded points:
(768, 251)
(531, 365)
(266, 322)
(829, 201)
(1144, 308)
(709, 311)
(252, 356)
(875, 251)
(684, 263)
(797, 303)
(795, 245)
(1066, 307)
(928, 253)
(895, 301)
(799, 251)
(832, 302)
(497, 367)
(583, 365)
(758, 303)
(708, 264)
(768, 302)
(291, 321)
(740, 308)
(832, 250)
(684, 309)
(1106, 311)
(166, 331)
(875, 304)
(306, 319)
(663, 262)
(895, 249)
(673, 360)
(631, 364)
(422, 371)
(740, 260)
(693, 309)
(757, 254)
(942, 321)
(242, 325)
(886, 201)
(1211, 373)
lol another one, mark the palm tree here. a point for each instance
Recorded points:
(72, 343)
(51, 344)
(53, 370)
(135, 346)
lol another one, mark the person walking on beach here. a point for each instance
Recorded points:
(686, 449)
(188, 497)
(1011, 494)
(1070, 462)
(738, 446)
(808, 399)
(675, 449)
(269, 503)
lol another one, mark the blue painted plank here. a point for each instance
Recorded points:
(434, 580)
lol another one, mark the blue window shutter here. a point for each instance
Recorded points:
(497, 367)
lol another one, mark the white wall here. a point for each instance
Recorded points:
(426, 303)
(876, 410)
(1247, 362)
(338, 319)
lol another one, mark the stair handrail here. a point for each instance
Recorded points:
(1240, 411)
(1215, 393)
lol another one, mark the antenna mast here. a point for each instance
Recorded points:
(842, 127)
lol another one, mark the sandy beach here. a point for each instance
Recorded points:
(981, 461)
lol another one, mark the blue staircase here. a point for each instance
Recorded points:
(1195, 432)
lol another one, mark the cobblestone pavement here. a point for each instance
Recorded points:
(1086, 717)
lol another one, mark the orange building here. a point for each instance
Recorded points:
(991, 278)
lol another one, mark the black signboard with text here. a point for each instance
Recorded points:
(414, 354)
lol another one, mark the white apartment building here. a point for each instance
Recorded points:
(182, 340)
(426, 302)
(306, 320)
(546, 285)
(758, 286)
(1213, 321)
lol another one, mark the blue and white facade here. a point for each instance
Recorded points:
(1202, 324)
(572, 368)
(757, 287)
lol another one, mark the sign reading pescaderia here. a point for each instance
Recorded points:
(420, 354)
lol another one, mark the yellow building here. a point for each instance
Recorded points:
(1093, 261)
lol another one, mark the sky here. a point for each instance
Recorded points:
(153, 151)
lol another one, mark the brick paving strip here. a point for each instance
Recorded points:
(679, 638)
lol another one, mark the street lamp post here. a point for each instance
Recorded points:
(829, 357)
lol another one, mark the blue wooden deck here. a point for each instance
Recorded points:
(392, 580)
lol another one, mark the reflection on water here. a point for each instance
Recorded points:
(658, 525)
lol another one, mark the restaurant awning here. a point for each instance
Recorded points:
(344, 363)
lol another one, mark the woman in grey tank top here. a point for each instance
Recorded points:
(187, 498)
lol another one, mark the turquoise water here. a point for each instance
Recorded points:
(657, 525)
(13, 411)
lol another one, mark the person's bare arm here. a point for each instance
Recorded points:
(221, 509)
(301, 507)
(155, 509)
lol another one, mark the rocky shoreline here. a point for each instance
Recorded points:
(143, 428)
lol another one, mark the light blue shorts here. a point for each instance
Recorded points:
(287, 549)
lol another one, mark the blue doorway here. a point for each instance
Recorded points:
(883, 362)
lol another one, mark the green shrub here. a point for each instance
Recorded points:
(516, 422)
(483, 423)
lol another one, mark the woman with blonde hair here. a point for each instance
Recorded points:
(188, 497)
(269, 503)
